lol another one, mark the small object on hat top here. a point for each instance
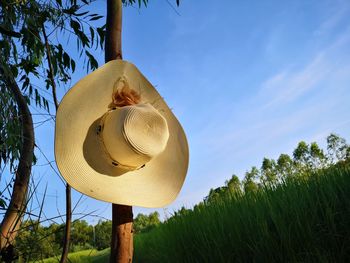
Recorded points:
(130, 155)
(123, 95)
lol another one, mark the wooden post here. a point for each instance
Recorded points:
(122, 234)
(122, 217)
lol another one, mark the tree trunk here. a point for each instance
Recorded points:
(13, 216)
(65, 248)
(122, 217)
(113, 44)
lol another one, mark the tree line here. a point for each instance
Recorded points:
(36, 241)
(306, 159)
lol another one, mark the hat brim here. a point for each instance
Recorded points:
(81, 159)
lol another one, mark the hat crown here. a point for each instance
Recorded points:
(134, 134)
(145, 129)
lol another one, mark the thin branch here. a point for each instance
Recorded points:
(48, 161)
(51, 74)
(173, 7)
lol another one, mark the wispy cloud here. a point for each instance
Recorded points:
(286, 86)
(338, 13)
(290, 84)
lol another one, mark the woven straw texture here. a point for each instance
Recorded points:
(83, 162)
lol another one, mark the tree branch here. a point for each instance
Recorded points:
(51, 74)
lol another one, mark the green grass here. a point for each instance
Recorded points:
(85, 256)
(304, 220)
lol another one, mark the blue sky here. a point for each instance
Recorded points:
(247, 80)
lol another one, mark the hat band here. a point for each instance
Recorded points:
(113, 161)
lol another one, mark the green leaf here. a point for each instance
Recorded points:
(25, 83)
(22, 78)
(96, 18)
(72, 62)
(66, 60)
(8, 32)
(92, 35)
(74, 25)
(2, 203)
(71, 10)
(102, 33)
(14, 71)
(81, 14)
(92, 60)
(37, 98)
(34, 159)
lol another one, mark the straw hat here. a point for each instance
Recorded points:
(132, 155)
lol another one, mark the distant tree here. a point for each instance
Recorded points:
(234, 185)
(338, 149)
(215, 194)
(82, 233)
(301, 153)
(35, 242)
(182, 211)
(268, 172)
(103, 234)
(199, 206)
(144, 223)
(301, 157)
(249, 181)
(285, 166)
(317, 157)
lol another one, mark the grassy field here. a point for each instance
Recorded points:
(85, 256)
(305, 220)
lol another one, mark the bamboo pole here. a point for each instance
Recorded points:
(122, 217)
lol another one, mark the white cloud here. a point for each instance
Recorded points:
(288, 85)
(338, 13)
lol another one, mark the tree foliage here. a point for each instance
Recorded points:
(103, 231)
(144, 223)
(36, 242)
(31, 52)
(306, 158)
(25, 26)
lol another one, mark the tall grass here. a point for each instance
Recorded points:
(304, 220)
(84, 256)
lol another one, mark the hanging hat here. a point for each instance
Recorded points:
(131, 155)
